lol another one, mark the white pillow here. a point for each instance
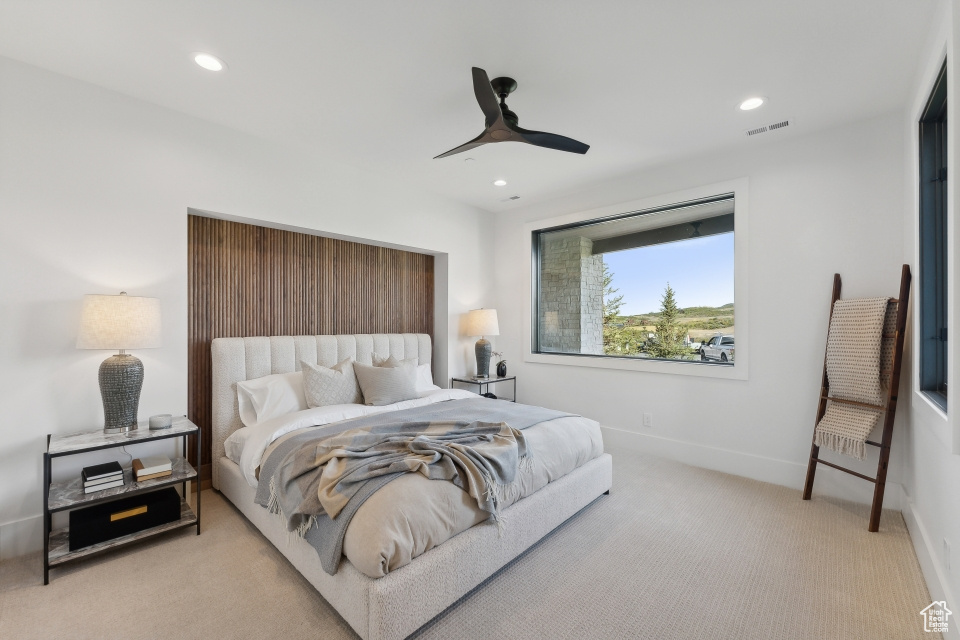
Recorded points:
(386, 385)
(425, 379)
(324, 386)
(233, 446)
(424, 375)
(264, 398)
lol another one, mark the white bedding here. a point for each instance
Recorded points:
(413, 514)
(246, 446)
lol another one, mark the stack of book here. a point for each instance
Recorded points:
(101, 476)
(151, 467)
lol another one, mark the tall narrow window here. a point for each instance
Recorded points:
(933, 243)
(655, 284)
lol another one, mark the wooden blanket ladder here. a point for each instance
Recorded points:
(889, 408)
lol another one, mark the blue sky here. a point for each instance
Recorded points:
(700, 271)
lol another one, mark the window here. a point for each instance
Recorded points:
(933, 244)
(656, 284)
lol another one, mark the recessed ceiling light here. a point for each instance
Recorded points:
(209, 62)
(751, 103)
(500, 183)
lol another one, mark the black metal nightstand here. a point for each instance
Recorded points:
(486, 382)
(68, 494)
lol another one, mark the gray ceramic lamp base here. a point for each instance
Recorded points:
(121, 378)
(484, 349)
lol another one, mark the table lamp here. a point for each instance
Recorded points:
(120, 322)
(483, 322)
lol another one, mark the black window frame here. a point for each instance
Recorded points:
(535, 238)
(933, 244)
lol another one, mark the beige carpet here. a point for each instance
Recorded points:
(674, 553)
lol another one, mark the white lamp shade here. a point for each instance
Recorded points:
(482, 322)
(119, 322)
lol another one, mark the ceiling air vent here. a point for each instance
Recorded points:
(768, 127)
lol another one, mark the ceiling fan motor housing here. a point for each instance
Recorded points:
(504, 87)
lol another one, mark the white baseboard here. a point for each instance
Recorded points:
(830, 482)
(930, 566)
(21, 537)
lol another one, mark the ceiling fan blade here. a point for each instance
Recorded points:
(486, 98)
(466, 146)
(551, 141)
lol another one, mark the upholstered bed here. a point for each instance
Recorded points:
(397, 604)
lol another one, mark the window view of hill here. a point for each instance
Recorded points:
(690, 333)
(671, 299)
(701, 322)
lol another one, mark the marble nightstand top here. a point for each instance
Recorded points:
(76, 442)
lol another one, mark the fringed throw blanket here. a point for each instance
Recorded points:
(853, 372)
(317, 480)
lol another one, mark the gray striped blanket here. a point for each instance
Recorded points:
(317, 480)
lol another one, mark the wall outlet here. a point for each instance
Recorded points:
(946, 554)
(648, 420)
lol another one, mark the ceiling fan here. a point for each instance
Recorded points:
(501, 123)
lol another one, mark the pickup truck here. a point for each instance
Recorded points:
(720, 348)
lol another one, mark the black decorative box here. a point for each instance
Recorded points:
(110, 520)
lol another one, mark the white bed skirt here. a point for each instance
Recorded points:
(396, 605)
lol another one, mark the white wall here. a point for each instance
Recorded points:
(94, 191)
(932, 470)
(820, 203)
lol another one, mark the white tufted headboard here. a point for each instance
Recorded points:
(239, 359)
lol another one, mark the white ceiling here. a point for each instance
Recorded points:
(385, 85)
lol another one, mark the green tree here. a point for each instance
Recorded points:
(616, 340)
(611, 302)
(668, 340)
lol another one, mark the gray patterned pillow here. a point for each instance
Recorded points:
(386, 385)
(325, 386)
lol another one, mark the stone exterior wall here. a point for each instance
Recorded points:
(571, 296)
(591, 301)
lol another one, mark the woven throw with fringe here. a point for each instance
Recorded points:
(854, 348)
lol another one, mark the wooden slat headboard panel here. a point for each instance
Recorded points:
(246, 280)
